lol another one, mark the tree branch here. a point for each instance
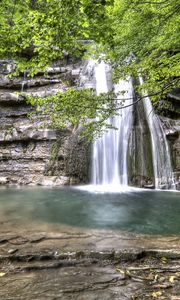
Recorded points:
(152, 2)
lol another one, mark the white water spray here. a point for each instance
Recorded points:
(109, 163)
(162, 166)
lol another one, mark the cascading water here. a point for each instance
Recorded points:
(24, 81)
(109, 163)
(110, 152)
(162, 166)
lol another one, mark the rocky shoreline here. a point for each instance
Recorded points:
(58, 262)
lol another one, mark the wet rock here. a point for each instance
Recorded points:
(3, 180)
(7, 67)
(175, 94)
(54, 181)
(11, 98)
(149, 186)
(42, 269)
(140, 166)
(19, 83)
(12, 251)
(172, 130)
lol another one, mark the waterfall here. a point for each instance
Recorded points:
(110, 152)
(109, 163)
(163, 173)
(24, 82)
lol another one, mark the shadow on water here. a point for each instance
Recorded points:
(138, 211)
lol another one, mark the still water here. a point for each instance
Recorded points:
(138, 211)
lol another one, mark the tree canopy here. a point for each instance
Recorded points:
(137, 36)
(145, 40)
(37, 32)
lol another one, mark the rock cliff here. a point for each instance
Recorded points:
(30, 151)
(33, 153)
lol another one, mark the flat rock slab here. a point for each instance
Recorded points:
(66, 239)
(90, 280)
(40, 261)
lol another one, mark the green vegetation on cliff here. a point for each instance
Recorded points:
(137, 36)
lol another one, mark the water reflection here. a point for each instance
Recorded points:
(149, 212)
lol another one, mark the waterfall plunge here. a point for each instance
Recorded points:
(109, 163)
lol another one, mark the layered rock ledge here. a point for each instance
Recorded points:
(30, 151)
(57, 262)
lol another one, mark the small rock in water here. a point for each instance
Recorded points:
(149, 186)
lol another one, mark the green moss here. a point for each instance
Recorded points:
(53, 158)
(54, 151)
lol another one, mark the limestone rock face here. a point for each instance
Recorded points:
(140, 164)
(30, 151)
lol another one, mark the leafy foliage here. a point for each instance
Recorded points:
(37, 32)
(146, 39)
(77, 107)
(137, 36)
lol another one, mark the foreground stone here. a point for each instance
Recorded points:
(40, 261)
(91, 280)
